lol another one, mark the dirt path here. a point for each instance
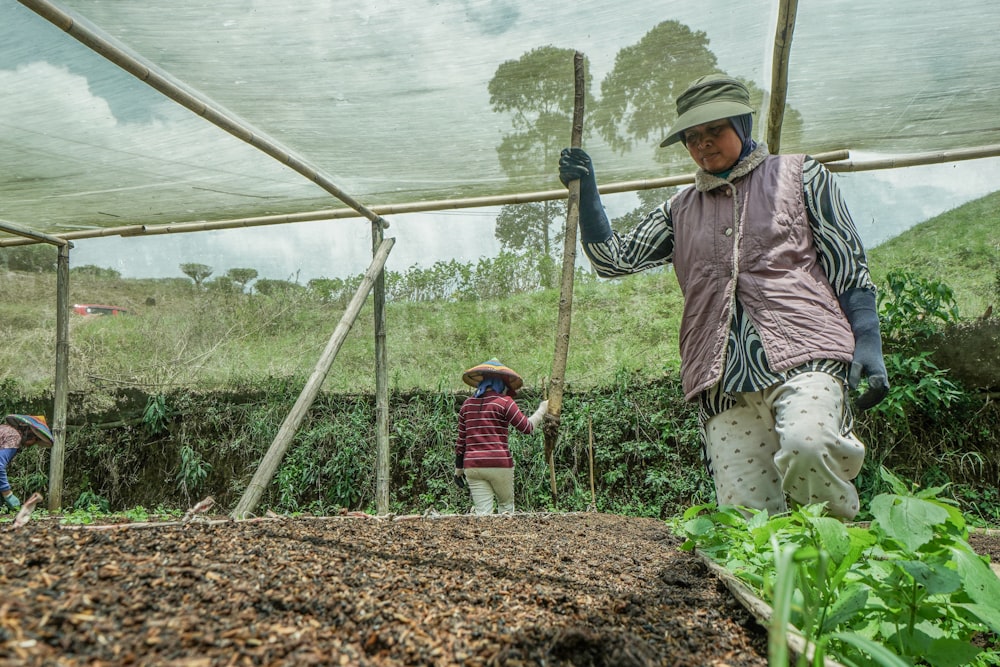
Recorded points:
(556, 590)
(585, 589)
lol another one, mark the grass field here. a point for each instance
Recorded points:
(208, 339)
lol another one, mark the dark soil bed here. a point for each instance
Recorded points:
(575, 590)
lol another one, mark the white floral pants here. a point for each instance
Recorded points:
(792, 439)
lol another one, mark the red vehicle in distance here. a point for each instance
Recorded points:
(87, 309)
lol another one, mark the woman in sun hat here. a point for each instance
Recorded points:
(481, 452)
(780, 317)
(19, 431)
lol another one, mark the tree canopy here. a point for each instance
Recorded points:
(196, 272)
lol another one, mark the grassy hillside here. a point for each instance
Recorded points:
(182, 336)
(960, 247)
(210, 339)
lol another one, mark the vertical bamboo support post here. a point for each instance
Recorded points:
(269, 464)
(569, 266)
(381, 384)
(58, 454)
(590, 456)
(779, 73)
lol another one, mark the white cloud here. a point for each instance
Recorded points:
(69, 102)
(59, 126)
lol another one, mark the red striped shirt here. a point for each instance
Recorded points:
(483, 425)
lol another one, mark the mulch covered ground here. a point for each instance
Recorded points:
(577, 590)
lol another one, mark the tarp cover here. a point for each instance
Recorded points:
(441, 99)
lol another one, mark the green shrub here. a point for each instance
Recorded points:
(905, 590)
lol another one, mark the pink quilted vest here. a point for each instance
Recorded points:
(751, 240)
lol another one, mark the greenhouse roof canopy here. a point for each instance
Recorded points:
(152, 113)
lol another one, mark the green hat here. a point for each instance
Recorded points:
(709, 98)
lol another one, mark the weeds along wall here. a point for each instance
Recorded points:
(171, 450)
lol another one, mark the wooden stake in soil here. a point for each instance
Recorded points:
(590, 457)
(57, 456)
(569, 265)
(381, 382)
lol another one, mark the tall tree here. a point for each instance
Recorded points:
(639, 94)
(537, 90)
(196, 272)
(241, 276)
(35, 258)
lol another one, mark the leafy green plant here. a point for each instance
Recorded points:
(156, 415)
(917, 383)
(94, 514)
(137, 514)
(90, 501)
(921, 426)
(913, 307)
(907, 590)
(80, 517)
(194, 470)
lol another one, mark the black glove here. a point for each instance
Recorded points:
(575, 164)
(859, 306)
(460, 481)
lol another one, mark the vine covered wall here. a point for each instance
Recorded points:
(171, 450)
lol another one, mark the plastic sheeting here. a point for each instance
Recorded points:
(410, 101)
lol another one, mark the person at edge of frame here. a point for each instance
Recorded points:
(16, 433)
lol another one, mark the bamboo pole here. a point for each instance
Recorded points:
(917, 159)
(590, 458)
(389, 209)
(557, 378)
(269, 464)
(382, 473)
(111, 49)
(57, 455)
(830, 157)
(779, 72)
(836, 160)
(28, 233)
